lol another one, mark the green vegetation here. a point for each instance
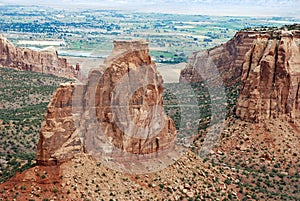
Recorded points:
(197, 97)
(274, 28)
(24, 97)
(168, 57)
(89, 33)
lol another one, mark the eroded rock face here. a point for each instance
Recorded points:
(129, 105)
(117, 111)
(44, 61)
(267, 64)
(58, 140)
(224, 61)
(271, 78)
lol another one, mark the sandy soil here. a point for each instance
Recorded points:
(169, 72)
(42, 43)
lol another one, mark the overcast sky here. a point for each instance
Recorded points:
(213, 7)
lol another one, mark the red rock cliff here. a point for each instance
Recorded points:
(271, 78)
(119, 109)
(58, 140)
(224, 61)
(44, 61)
(266, 63)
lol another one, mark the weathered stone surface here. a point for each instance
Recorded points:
(58, 139)
(271, 78)
(120, 108)
(224, 61)
(266, 63)
(44, 61)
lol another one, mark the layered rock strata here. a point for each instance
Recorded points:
(271, 78)
(267, 64)
(45, 61)
(116, 111)
(223, 62)
(58, 140)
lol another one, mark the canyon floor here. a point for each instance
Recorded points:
(247, 164)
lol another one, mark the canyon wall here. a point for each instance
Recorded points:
(44, 61)
(223, 61)
(267, 66)
(271, 78)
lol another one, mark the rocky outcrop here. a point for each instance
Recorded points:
(117, 112)
(58, 140)
(271, 78)
(266, 63)
(44, 61)
(224, 61)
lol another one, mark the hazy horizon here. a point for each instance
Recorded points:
(288, 8)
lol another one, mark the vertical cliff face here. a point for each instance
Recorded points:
(118, 109)
(224, 61)
(271, 78)
(129, 105)
(44, 61)
(58, 140)
(266, 63)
